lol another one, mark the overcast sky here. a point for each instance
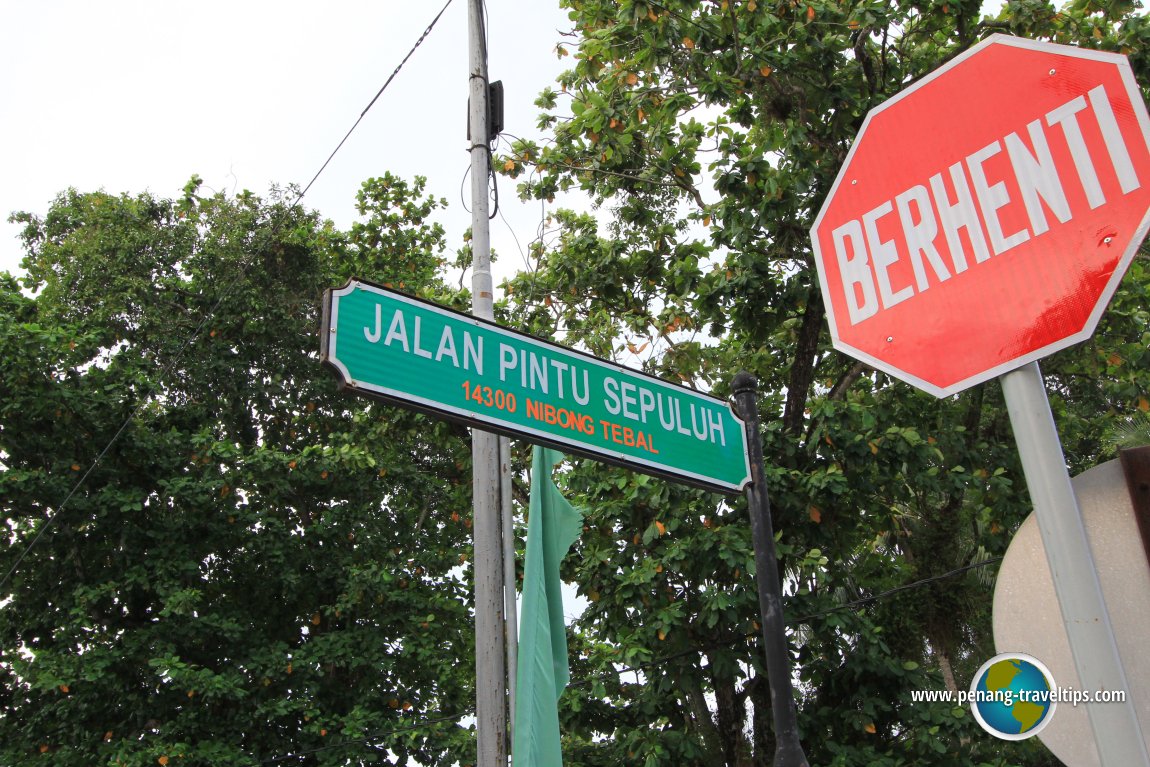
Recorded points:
(133, 96)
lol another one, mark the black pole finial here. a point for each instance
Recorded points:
(744, 382)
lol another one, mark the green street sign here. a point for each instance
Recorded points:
(435, 360)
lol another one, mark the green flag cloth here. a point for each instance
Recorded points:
(552, 526)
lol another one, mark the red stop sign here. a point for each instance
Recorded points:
(985, 215)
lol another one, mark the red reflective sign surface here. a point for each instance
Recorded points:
(985, 215)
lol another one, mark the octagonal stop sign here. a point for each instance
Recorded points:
(985, 215)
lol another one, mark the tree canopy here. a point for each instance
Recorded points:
(256, 569)
(709, 133)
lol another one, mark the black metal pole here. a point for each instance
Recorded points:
(788, 749)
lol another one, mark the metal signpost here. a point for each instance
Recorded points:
(981, 221)
(788, 749)
(423, 356)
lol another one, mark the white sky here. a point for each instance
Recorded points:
(138, 95)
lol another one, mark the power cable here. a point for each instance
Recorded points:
(864, 601)
(164, 373)
(366, 741)
(854, 604)
(371, 103)
(167, 369)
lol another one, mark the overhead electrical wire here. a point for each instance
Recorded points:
(852, 605)
(370, 104)
(178, 355)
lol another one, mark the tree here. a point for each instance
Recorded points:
(708, 133)
(214, 557)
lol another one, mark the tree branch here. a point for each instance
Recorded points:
(839, 390)
(803, 367)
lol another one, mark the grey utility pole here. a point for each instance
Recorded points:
(490, 676)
